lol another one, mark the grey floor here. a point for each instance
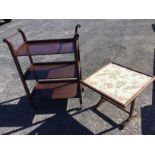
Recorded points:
(127, 42)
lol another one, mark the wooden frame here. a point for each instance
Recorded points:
(73, 42)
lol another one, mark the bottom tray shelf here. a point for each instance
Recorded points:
(56, 90)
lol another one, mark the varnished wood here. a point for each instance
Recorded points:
(58, 79)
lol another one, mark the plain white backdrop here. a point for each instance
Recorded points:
(77, 9)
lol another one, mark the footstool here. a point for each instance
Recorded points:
(119, 85)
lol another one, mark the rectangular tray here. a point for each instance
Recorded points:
(55, 70)
(56, 90)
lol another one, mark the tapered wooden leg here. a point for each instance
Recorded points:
(27, 91)
(80, 94)
(80, 102)
(132, 115)
(102, 100)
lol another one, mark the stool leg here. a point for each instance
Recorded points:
(102, 100)
(132, 114)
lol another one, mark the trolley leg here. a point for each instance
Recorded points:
(82, 89)
(80, 102)
(80, 95)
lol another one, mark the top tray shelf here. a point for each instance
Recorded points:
(45, 48)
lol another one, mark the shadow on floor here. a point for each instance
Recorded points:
(105, 118)
(148, 113)
(2, 22)
(21, 115)
(153, 27)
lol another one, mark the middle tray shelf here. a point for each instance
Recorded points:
(48, 70)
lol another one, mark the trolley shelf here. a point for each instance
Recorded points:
(45, 48)
(51, 71)
(56, 90)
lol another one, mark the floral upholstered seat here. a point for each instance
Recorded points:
(117, 82)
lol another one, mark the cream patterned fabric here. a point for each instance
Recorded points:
(117, 82)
